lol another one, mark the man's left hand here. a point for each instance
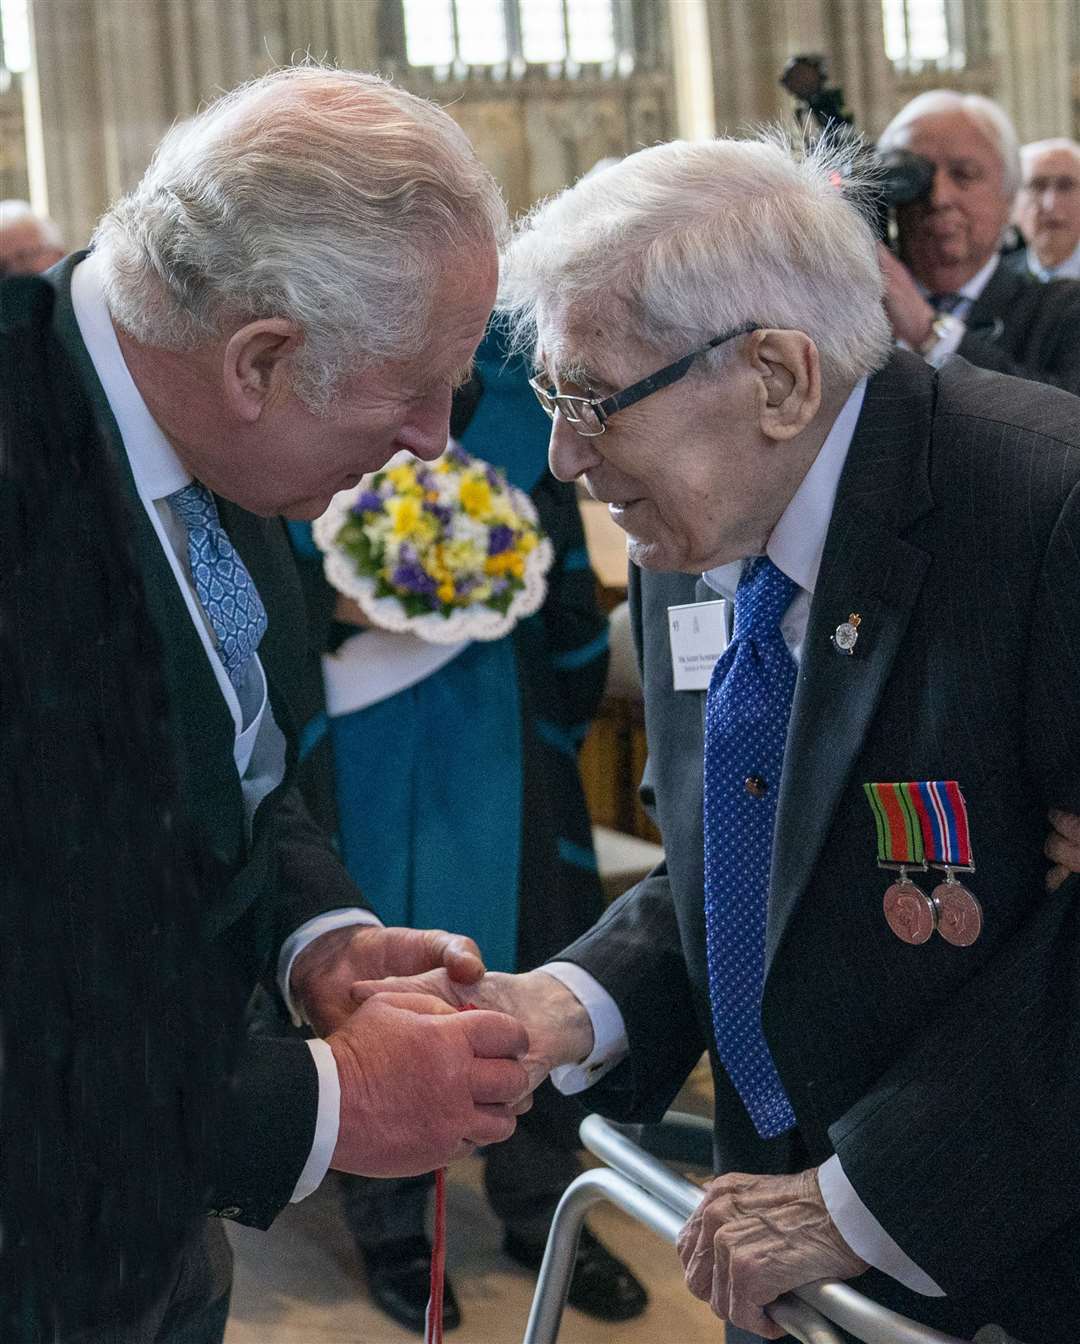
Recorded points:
(323, 974)
(753, 1238)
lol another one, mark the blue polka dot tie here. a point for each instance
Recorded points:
(746, 719)
(222, 584)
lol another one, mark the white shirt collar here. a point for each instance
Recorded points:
(975, 286)
(154, 463)
(798, 539)
(1069, 269)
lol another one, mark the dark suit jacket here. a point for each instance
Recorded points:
(267, 888)
(1020, 325)
(946, 1079)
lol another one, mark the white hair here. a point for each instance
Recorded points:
(15, 212)
(1030, 152)
(697, 238)
(988, 116)
(328, 197)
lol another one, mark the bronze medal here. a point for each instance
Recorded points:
(909, 912)
(959, 914)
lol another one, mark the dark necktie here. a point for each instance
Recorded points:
(746, 719)
(946, 303)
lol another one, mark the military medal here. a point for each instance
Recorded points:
(909, 912)
(923, 824)
(947, 844)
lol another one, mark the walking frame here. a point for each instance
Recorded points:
(636, 1180)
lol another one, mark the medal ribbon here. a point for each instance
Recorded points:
(899, 828)
(921, 821)
(944, 822)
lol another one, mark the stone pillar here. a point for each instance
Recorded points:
(695, 110)
(1031, 44)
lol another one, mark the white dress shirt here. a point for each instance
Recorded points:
(259, 745)
(956, 321)
(1069, 269)
(795, 547)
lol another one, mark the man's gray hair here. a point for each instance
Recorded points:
(328, 197)
(990, 117)
(1030, 152)
(696, 238)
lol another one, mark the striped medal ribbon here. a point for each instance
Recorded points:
(922, 824)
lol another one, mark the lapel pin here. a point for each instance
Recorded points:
(846, 634)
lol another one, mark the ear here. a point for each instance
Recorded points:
(256, 365)
(788, 373)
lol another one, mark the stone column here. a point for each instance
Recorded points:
(695, 110)
(1031, 44)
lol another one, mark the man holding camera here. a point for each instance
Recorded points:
(948, 292)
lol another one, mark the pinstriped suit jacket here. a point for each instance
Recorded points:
(947, 1079)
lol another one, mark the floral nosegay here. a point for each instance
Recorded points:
(448, 550)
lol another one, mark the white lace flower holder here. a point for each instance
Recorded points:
(477, 622)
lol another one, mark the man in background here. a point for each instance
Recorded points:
(949, 290)
(1048, 210)
(29, 243)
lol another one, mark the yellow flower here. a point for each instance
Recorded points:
(526, 542)
(404, 479)
(445, 592)
(475, 496)
(406, 514)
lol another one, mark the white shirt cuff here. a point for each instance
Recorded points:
(865, 1235)
(609, 1030)
(945, 346)
(327, 1121)
(307, 933)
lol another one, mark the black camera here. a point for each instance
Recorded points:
(899, 177)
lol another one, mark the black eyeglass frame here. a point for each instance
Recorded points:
(604, 408)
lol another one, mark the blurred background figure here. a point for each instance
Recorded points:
(455, 773)
(1048, 209)
(29, 243)
(949, 291)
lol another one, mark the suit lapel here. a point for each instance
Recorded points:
(1002, 290)
(202, 726)
(869, 569)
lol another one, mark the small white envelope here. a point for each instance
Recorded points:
(699, 635)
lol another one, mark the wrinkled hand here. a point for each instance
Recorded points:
(1062, 847)
(559, 1028)
(753, 1238)
(907, 309)
(422, 1084)
(323, 974)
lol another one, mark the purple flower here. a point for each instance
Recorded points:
(441, 512)
(499, 585)
(369, 501)
(500, 539)
(458, 456)
(413, 578)
(493, 478)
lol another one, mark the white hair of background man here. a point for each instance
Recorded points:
(328, 197)
(15, 212)
(1030, 152)
(695, 238)
(990, 117)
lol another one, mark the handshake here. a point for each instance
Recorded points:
(423, 1083)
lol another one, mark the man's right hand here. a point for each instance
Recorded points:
(422, 1084)
(560, 1029)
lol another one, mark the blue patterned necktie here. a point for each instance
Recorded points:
(222, 584)
(946, 303)
(746, 720)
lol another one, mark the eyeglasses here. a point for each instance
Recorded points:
(589, 415)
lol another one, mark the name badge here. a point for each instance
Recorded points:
(699, 635)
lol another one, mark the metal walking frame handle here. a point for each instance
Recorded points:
(638, 1183)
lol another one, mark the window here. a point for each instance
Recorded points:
(450, 34)
(924, 32)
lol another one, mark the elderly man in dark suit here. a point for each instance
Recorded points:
(851, 570)
(950, 291)
(284, 301)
